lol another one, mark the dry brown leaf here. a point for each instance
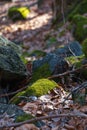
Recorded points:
(69, 127)
(83, 109)
(30, 107)
(56, 128)
(27, 127)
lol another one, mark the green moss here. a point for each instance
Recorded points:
(24, 59)
(18, 13)
(78, 62)
(23, 117)
(41, 72)
(37, 53)
(80, 23)
(84, 47)
(74, 59)
(81, 8)
(16, 99)
(79, 97)
(39, 88)
(83, 72)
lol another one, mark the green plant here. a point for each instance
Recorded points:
(80, 31)
(84, 47)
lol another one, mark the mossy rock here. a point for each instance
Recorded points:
(80, 23)
(25, 117)
(82, 73)
(81, 8)
(74, 59)
(79, 96)
(7, 43)
(41, 72)
(18, 13)
(84, 47)
(39, 88)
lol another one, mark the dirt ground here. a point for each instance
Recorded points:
(31, 32)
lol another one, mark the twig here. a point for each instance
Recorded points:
(67, 72)
(76, 90)
(8, 94)
(62, 10)
(81, 115)
(72, 53)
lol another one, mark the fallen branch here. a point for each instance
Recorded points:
(67, 72)
(81, 115)
(12, 93)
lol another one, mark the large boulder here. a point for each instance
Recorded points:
(5, 42)
(11, 109)
(73, 48)
(12, 113)
(55, 63)
(50, 64)
(12, 68)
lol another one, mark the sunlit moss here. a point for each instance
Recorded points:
(18, 13)
(39, 88)
(74, 59)
(24, 59)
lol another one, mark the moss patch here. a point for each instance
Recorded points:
(27, 117)
(18, 13)
(83, 72)
(23, 117)
(74, 59)
(81, 8)
(80, 23)
(84, 47)
(41, 72)
(39, 88)
(37, 53)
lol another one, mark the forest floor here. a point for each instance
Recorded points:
(32, 34)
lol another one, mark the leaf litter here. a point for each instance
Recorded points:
(32, 33)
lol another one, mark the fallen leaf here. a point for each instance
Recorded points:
(27, 127)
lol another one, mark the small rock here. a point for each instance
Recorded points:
(71, 49)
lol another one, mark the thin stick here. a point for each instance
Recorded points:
(8, 94)
(67, 72)
(44, 117)
(80, 87)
